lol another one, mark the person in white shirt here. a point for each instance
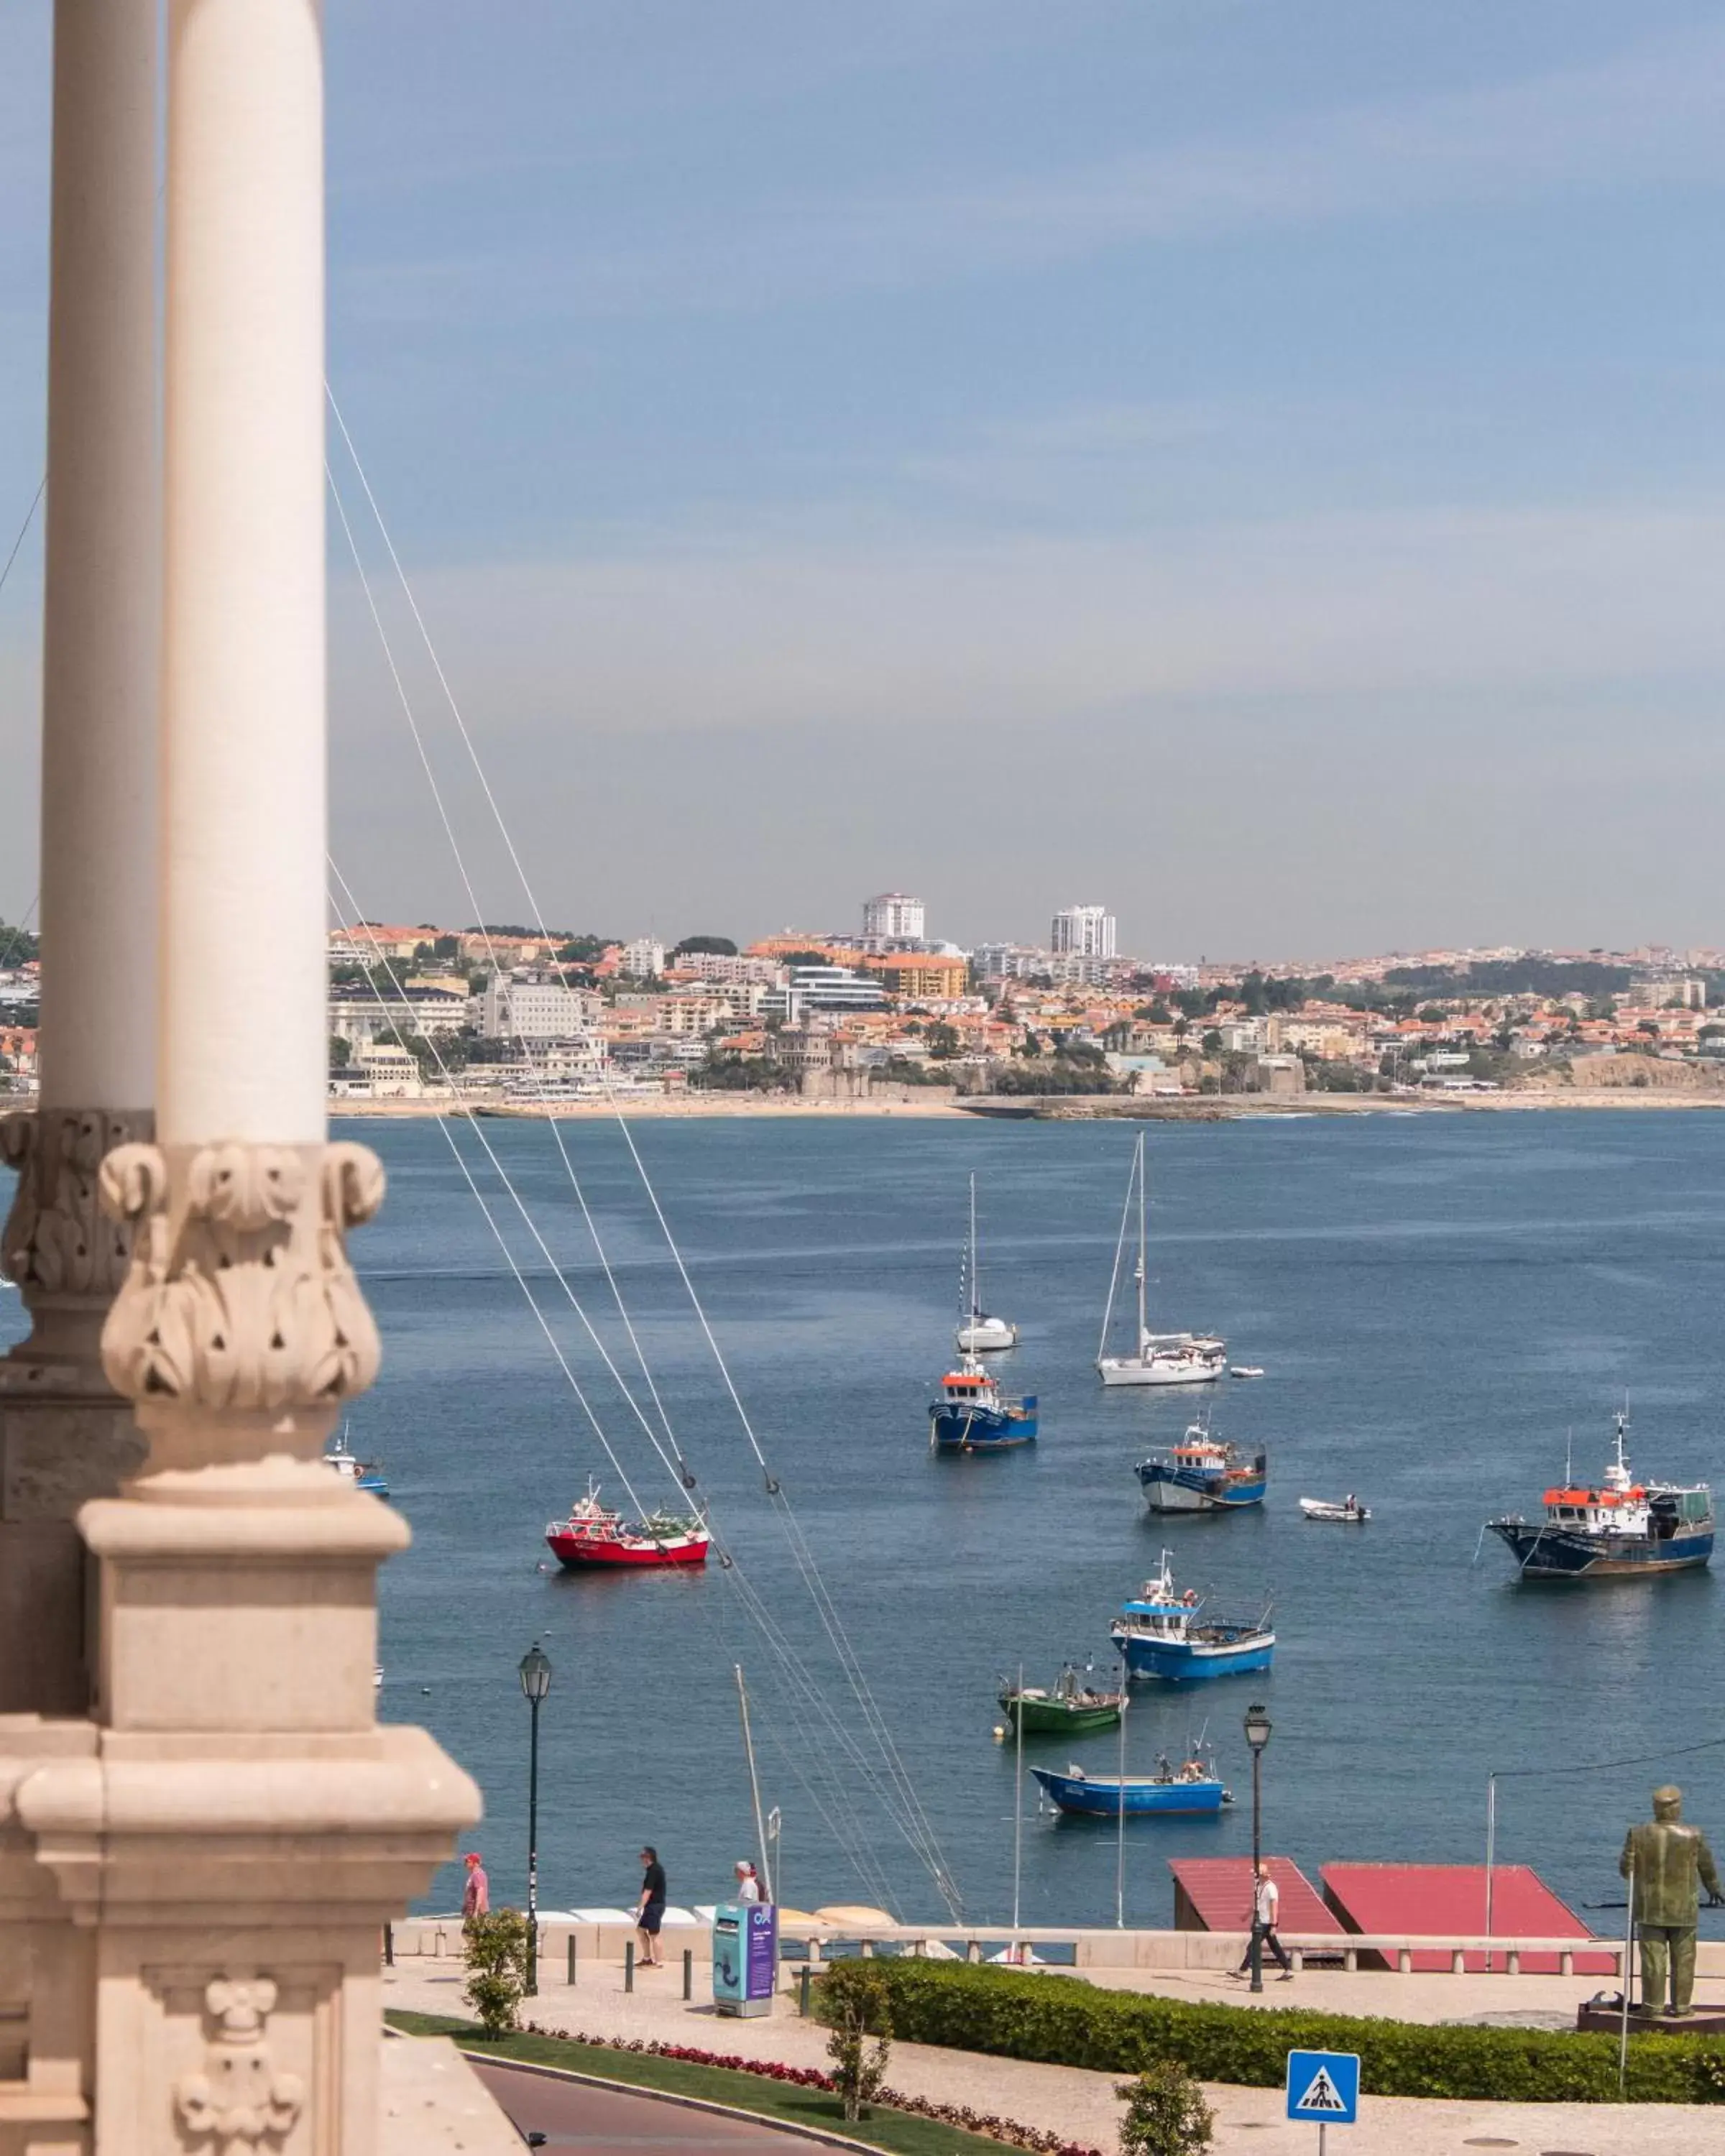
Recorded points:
(748, 1883)
(1266, 1902)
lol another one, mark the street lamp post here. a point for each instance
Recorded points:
(535, 1673)
(1257, 1735)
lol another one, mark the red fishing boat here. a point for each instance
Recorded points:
(592, 1535)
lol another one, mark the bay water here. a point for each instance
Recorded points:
(1438, 1300)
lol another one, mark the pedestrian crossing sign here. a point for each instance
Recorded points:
(1323, 2087)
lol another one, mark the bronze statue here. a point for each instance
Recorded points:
(1664, 1858)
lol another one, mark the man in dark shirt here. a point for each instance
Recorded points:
(649, 1914)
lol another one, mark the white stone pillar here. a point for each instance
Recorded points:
(64, 1436)
(240, 1827)
(244, 1048)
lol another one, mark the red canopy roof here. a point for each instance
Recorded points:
(1451, 1897)
(1217, 1894)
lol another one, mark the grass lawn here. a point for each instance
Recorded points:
(896, 2130)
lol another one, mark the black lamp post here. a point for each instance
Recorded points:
(1257, 1735)
(535, 1673)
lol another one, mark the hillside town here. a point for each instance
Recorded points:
(519, 1016)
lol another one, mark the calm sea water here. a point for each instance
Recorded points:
(1437, 1300)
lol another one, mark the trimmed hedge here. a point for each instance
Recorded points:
(1064, 2021)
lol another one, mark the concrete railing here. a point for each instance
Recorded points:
(1089, 1948)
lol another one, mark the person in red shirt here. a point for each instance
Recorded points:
(476, 1895)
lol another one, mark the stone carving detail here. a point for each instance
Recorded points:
(238, 2102)
(55, 1242)
(240, 1294)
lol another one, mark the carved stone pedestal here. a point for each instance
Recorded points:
(227, 1836)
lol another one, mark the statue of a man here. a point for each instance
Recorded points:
(1665, 1859)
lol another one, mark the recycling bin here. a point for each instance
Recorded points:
(745, 1957)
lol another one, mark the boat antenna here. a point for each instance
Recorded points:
(1120, 1805)
(748, 1746)
(1018, 1781)
(1569, 1458)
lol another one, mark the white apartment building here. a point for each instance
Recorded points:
(357, 1015)
(533, 1007)
(643, 959)
(1086, 932)
(893, 916)
(724, 968)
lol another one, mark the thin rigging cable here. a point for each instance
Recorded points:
(795, 1671)
(29, 516)
(802, 1555)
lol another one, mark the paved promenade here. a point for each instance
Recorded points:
(1067, 2100)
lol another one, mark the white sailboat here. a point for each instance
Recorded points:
(978, 1332)
(1162, 1358)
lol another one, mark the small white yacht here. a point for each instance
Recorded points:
(1162, 1358)
(977, 1333)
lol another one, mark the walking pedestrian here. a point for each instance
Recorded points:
(649, 1912)
(1266, 1901)
(476, 1894)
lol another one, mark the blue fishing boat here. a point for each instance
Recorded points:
(1616, 1528)
(363, 1474)
(1165, 1634)
(1202, 1474)
(1178, 1793)
(972, 1416)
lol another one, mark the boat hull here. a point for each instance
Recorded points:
(1167, 1490)
(1049, 1717)
(985, 1339)
(1195, 1661)
(1108, 1797)
(967, 1428)
(579, 1553)
(1129, 1370)
(1545, 1553)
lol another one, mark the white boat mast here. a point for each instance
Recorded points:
(975, 1289)
(1144, 1177)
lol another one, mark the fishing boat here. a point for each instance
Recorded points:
(593, 1535)
(1617, 1527)
(971, 1415)
(1161, 1358)
(1349, 1511)
(1069, 1706)
(1165, 1634)
(1170, 1790)
(340, 1458)
(978, 1334)
(1202, 1474)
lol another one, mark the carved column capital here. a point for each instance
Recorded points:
(239, 1298)
(67, 1258)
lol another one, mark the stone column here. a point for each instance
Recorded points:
(64, 1436)
(240, 1827)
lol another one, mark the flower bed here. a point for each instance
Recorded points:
(985, 2122)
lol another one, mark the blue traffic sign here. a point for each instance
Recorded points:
(1323, 2087)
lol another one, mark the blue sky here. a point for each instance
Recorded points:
(1255, 465)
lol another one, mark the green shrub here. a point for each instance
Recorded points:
(1065, 2021)
(858, 2007)
(495, 1948)
(1165, 2114)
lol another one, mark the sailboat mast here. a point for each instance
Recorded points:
(1143, 1326)
(748, 1746)
(976, 1291)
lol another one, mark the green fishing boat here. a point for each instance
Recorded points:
(1067, 1708)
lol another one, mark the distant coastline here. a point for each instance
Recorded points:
(1062, 1107)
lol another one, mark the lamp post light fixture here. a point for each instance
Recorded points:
(1257, 1735)
(535, 1674)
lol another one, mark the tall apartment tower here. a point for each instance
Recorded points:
(1082, 931)
(893, 914)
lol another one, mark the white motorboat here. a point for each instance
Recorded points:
(977, 1333)
(1350, 1511)
(1162, 1358)
(1244, 1370)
